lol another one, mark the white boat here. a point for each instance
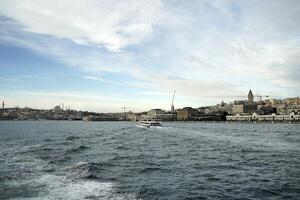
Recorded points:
(150, 123)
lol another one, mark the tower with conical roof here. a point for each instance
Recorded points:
(250, 97)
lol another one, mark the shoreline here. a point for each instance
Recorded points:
(204, 122)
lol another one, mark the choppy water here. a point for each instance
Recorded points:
(119, 160)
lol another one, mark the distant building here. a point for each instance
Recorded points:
(153, 112)
(3, 105)
(250, 97)
(294, 109)
(247, 106)
(224, 107)
(185, 114)
(191, 114)
(137, 116)
(167, 116)
(159, 114)
(292, 117)
(238, 108)
(201, 110)
(292, 101)
(267, 110)
(57, 109)
(144, 115)
(250, 107)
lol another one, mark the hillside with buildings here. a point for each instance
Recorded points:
(231, 111)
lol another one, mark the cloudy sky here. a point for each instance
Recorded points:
(102, 55)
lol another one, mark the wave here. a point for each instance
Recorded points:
(72, 137)
(61, 187)
(76, 182)
(84, 170)
(76, 149)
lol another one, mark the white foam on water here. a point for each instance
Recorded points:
(61, 187)
(151, 127)
(25, 163)
(81, 163)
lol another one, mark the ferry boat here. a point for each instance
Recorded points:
(150, 123)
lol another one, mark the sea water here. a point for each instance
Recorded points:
(120, 160)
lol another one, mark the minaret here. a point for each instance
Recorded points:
(250, 97)
(3, 105)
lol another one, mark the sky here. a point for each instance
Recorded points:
(102, 55)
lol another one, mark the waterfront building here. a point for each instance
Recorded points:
(144, 115)
(157, 114)
(153, 112)
(238, 107)
(167, 116)
(292, 117)
(246, 106)
(136, 116)
(219, 116)
(184, 114)
(99, 118)
(191, 114)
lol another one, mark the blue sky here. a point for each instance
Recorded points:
(101, 55)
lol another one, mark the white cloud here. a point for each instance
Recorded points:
(238, 41)
(100, 79)
(112, 24)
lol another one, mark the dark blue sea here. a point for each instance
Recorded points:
(120, 160)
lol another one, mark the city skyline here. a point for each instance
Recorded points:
(102, 56)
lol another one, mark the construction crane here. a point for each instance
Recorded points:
(261, 96)
(172, 105)
(124, 110)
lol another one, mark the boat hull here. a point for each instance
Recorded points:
(150, 124)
